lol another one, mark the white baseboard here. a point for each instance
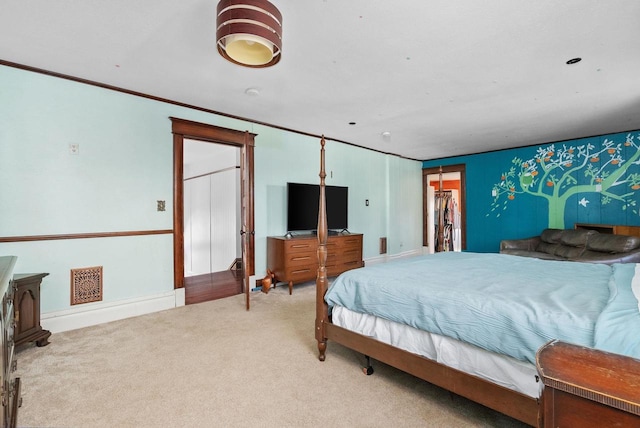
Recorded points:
(180, 296)
(410, 253)
(383, 258)
(97, 313)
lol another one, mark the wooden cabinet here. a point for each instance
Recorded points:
(9, 384)
(584, 387)
(27, 309)
(295, 260)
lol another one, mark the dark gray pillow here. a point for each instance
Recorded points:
(576, 237)
(544, 247)
(606, 243)
(569, 252)
(551, 236)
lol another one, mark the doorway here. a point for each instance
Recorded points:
(212, 221)
(184, 129)
(444, 231)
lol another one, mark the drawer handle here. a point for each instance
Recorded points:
(301, 271)
(300, 258)
(300, 246)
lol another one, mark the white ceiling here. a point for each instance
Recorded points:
(443, 77)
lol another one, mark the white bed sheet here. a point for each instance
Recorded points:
(506, 371)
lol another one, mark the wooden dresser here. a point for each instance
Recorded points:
(584, 387)
(295, 260)
(9, 384)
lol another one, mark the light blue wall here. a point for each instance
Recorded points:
(573, 167)
(404, 208)
(290, 157)
(133, 267)
(125, 165)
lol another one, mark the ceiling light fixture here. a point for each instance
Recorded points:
(249, 32)
(574, 61)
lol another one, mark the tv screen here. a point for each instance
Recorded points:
(302, 207)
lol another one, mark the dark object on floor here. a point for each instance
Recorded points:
(267, 282)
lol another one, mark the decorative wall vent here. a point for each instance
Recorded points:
(86, 285)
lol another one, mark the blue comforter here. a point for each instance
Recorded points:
(618, 326)
(507, 304)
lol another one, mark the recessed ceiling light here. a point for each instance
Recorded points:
(386, 136)
(253, 92)
(574, 60)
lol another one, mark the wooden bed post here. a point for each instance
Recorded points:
(322, 310)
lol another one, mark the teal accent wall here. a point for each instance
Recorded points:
(125, 165)
(519, 192)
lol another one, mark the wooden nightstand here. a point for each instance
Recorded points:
(27, 310)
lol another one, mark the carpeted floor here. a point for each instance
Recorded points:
(214, 364)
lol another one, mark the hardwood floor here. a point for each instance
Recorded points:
(212, 286)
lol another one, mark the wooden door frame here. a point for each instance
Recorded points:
(182, 129)
(460, 168)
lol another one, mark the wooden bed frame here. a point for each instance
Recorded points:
(514, 404)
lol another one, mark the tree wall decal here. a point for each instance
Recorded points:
(556, 173)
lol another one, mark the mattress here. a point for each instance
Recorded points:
(505, 304)
(499, 369)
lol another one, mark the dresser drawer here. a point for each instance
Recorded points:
(344, 266)
(351, 255)
(333, 254)
(349, 242)
(301, 246)
(301, 273)
(335, 270)
(300, 259)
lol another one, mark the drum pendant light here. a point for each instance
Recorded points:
(249, 32)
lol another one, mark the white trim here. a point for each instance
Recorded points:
(180, 297)
(387, 258)
(97, 313)
(411, 253)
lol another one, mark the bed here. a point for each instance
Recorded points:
(484, 345)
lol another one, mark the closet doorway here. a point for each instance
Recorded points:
(188, 130)
(444, 213)
(212, 221)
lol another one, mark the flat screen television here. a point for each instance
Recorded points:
(302, 207)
